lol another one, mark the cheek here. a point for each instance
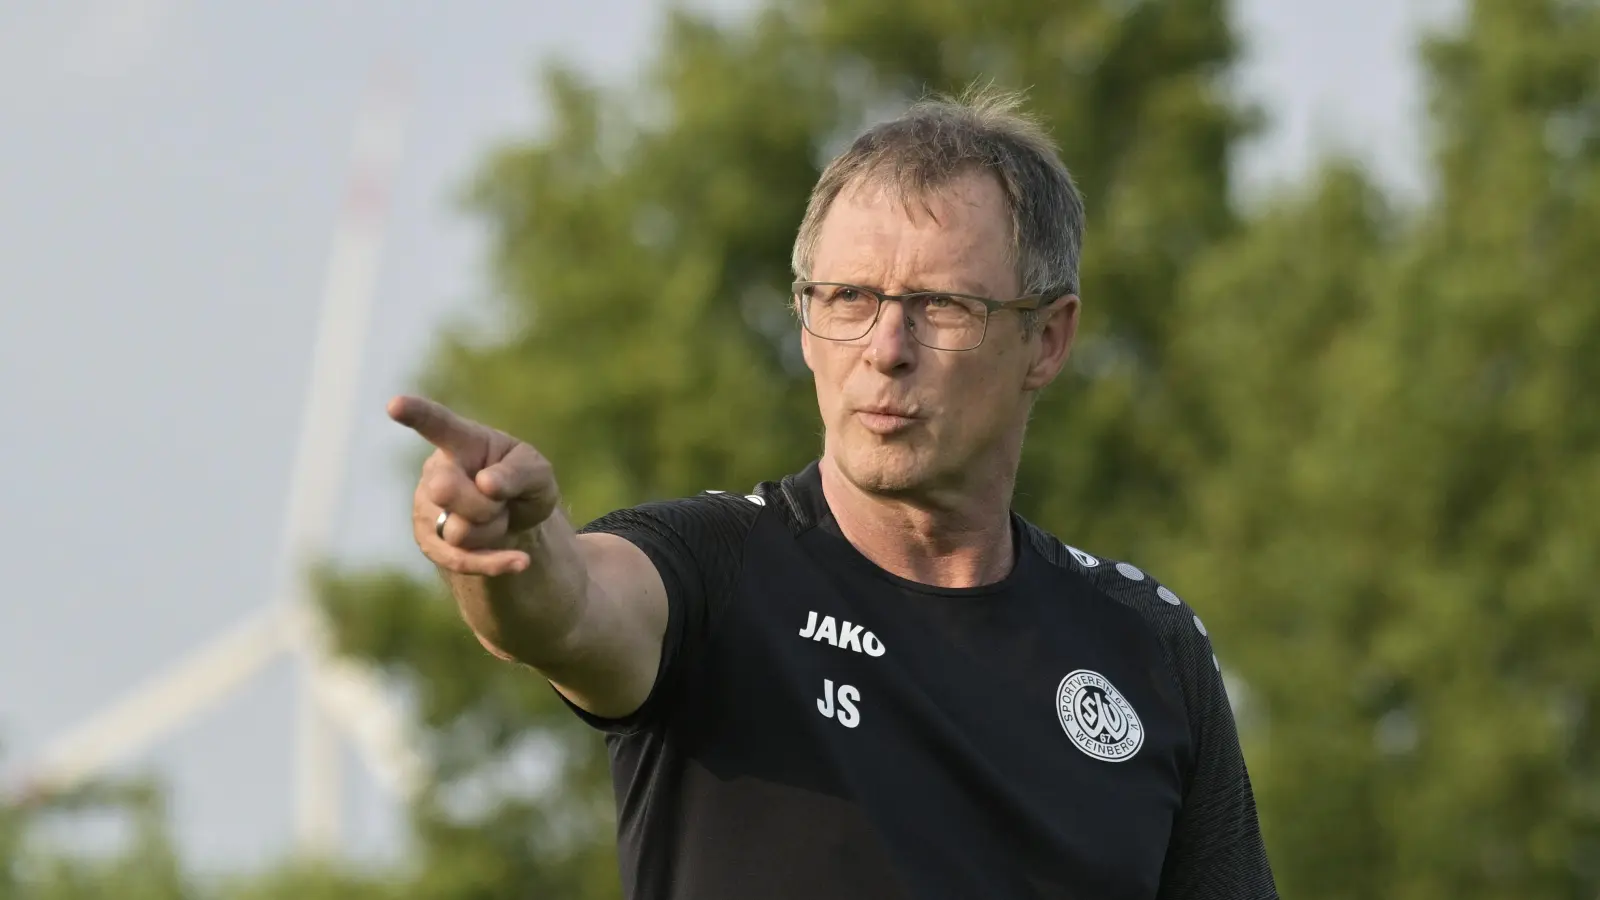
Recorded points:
(828, 370)
(986, 399)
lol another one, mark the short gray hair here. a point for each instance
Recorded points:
(940, 139)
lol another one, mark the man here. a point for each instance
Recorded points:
(871, 679)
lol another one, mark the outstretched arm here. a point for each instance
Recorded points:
(588, 612)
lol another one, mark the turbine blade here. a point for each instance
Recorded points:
(161, 704)
(354, 699)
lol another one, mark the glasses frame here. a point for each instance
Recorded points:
(1029, 303)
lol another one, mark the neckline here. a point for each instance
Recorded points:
(804, 489)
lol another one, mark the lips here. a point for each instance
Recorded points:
(898, 412)
(886, 419)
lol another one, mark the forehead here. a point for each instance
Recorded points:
(956, 236)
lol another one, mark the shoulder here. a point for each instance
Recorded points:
(710, 507)
(1167, 613)
(1183, 636)
(710, 526)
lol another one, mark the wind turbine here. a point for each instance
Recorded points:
(334, 694)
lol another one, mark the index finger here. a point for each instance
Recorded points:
(461, 438)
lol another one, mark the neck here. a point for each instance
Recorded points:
(954, 537)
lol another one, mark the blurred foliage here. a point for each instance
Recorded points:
(138, 861)
(1360, 439)
(1395, 527)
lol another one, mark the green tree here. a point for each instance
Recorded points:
(1394, 497)
(39, 862)
(1357, 437)
(642, 338)
(110, 840)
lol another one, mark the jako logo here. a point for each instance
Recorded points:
(845, 637)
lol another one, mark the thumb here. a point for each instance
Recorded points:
(494, 483)
(525, 482)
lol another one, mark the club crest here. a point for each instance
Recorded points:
(1098, 719)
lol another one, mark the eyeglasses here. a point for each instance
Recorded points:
(936, 319)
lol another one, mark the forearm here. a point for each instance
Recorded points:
(530, 616)
(588, 613)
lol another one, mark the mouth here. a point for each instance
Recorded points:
(886, 419)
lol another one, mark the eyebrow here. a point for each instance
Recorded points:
(974, 291)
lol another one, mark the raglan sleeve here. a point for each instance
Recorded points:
(696, 544)
(1216, 851)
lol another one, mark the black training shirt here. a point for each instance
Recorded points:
(821, 728)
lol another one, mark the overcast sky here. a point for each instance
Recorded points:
(169, 177)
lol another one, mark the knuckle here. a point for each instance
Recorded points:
(537, 461)
(456, 532)
(537, 474)
(439, 488)
(439, 554)
(527, 457)
(458, 561)
(436, 460)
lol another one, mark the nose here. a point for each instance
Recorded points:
(890, 346)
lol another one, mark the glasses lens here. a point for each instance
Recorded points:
(837, 312)
(944, 322)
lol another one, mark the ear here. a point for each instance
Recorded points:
(805, 348)
(1052, 341)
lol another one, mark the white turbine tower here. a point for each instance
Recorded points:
(335, 694)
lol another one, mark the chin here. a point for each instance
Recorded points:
(884, 467)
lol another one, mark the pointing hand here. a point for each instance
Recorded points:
(492, 486)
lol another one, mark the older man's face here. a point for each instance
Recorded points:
(901, 417)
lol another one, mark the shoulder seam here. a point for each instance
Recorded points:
(1067, 558)
(796, 521)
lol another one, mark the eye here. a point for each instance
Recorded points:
(845, 294)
